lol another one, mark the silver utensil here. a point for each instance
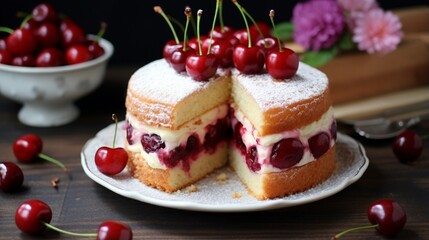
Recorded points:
(385, 129)
(391, 122)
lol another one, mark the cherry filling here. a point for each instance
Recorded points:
(287, 152)
(252, 159)
(187, 152)
(319, 144)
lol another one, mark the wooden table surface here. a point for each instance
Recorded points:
(79, 204)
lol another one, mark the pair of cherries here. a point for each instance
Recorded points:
(34, 216)
(26, 148)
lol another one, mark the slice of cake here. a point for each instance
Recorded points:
(284, 132)
(177, 128)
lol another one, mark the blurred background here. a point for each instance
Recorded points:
(138, 33)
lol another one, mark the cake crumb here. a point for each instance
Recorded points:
(236, 195)
(192, 189)
(54, 182)
(221, 177)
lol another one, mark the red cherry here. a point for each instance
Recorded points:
(73, 35)
(5, 57)
(248, 60)
(178, 59)
(21, 41)
(389, 216)
(407, 146)
(111, 161)
(114, 230)
(282, 64)
(27, 147)
(30, 216)
(44, 12)
(11, 177)
(268, 44)
(32, 25)
(222, 33)
(95, 49)
(26, 60)
(241, 35)
(193, 43)
(66, 23)
(223, 50)
(201, 67)
(263, 27)
(169, 48)
(77, 54)
(48, 35)
(385, 215)
(50, 57)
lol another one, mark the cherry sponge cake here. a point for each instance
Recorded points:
(177, 128)
(284, 132)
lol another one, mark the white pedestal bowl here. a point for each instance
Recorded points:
(48, 93)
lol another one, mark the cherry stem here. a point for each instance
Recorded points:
(222, 25)
(256, 26)
(199, 13)
(177, 22)
(353, 229)
(28, 17)
(249, 40)
(101, 32)
(52, 227)
(213, 25)
(6, 30)
(272, 13)
(188, 14)
(115, 118)
(52, 160)
(159, 10)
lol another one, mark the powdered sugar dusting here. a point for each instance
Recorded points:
(157, 80)
(270, 93)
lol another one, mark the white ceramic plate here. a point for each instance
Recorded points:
(213, 195)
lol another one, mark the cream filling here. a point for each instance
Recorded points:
(172, 138)
(265, 144)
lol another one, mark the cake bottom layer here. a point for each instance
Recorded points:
(170, 180)
(280, 184)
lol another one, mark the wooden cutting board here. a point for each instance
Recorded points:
(375, 105)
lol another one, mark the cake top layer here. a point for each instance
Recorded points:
(308, 82)
(158, 81)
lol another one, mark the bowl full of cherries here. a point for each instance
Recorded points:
(47, 63)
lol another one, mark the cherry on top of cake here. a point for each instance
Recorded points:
(157, 80)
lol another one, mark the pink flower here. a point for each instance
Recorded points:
(353, 9)
(377, 32)
(357, 5)
(318, 24)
